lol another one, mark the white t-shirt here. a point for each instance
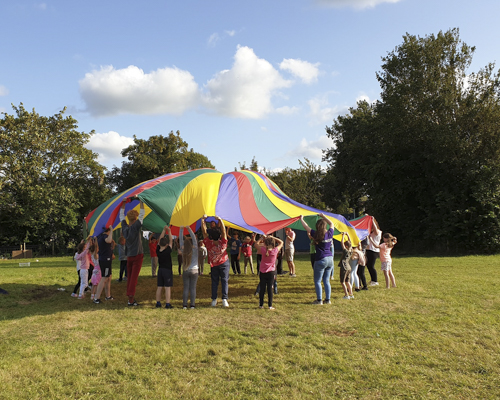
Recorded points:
(376, 239)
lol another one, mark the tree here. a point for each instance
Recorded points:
(48, 179)
(254, 166)
(156, 156)
(304, 184)
(427, 154)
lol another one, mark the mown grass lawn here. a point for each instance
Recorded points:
(434, 337)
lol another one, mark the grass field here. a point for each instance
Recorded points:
(436, 336)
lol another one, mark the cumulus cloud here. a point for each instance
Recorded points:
(321, 111)
(244, 91)
(111, 91)
(357, 4)
(312, 150)
(304, 70)
(109, 146)
(3, 91)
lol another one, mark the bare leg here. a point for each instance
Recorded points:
(158, 293)
(387, 280)
(167, 294)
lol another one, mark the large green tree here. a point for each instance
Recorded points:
(48, 179)
(427, 154)
(156, 156)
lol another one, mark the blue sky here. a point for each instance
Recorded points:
(239, 79)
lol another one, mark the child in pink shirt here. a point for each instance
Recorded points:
(83, 256)
(269, 248)
(385, 258)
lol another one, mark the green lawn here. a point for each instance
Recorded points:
(434, 337)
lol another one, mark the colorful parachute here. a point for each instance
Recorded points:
(245, 200)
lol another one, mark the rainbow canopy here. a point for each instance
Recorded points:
(245, 200)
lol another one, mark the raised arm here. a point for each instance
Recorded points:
(204, 226)
(109, 239)
(181, 237)
(344, 234)
(122, 210)
(304, 224)
(278, 243)
(222, 228)
(193, 237)
(142, 212)
(328, 220)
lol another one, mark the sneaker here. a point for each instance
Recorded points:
(184, 308)
(327, 302)
(364, 288)
(134, 304)
(357, 290)
(320, 302)
(225, 303)
(109, 298)
(261, 307)
(272, 308)
(92, 296)
(347, 297)
(293, 276)
(168, 305)
(373, 283)
(214, 303)
(351, 297)
(81, 297)
(158, 304)
(192, 307)
(97, 301)
(74, 295)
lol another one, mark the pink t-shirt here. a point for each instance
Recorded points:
(267, 264)
(385, 253)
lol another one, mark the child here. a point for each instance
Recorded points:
(246, 249)
(268, 247)
(345, 268)
(202, 254)
(385, 258)
(81, 245)
(122, 256)
(96, 273)
(83, 256)
(189, 248)
(357, 258)
(152, 252)
(165, 275)
(362, 264)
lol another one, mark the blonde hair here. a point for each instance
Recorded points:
(132, 216)
(187, 253)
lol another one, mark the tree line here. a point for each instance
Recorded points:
(424, 159)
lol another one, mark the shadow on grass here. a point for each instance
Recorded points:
(26, 300)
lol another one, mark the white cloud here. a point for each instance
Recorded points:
(3, 91)
(213, 39)
(112, 91)
(287, 110)
(321, 111)
(357, 4)
(304, 70)
(109, 146)
(312, 150)
(231, 33)
(244, 91)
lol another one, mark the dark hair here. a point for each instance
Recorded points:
(163, 241)
(80, 247)
(319, 235)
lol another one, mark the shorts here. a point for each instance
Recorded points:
(387, 265)
(105, 268)
(289, 255)
(165, 277)
(345, 275)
